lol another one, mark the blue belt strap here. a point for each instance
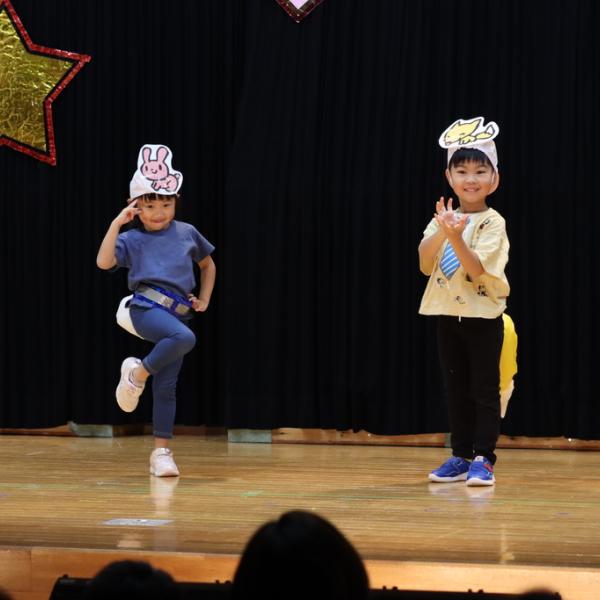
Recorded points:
(177, 300)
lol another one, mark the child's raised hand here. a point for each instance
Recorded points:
(450, 222)
(128, 213)
(440, 205)
(445, 213)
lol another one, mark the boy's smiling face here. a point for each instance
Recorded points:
(472, 183)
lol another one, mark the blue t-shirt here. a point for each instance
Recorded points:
(164, 258)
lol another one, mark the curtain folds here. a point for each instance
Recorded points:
(310, 159)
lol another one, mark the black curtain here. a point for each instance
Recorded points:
(310, 159)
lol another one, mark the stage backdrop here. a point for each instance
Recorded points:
(310, 159)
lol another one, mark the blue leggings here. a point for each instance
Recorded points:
(173, 339)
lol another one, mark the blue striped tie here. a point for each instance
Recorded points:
(449, 262)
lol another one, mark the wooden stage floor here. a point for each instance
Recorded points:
(70, 505)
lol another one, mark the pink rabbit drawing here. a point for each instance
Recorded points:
(158, 172)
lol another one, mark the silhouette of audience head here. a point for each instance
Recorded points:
(300, 556)
(134, 580)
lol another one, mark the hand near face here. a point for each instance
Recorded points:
(128, 213)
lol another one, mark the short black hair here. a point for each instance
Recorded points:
(136, 580)
(154, 197)
(466, 155)
(299, 556)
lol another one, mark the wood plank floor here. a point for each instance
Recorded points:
(72, 504)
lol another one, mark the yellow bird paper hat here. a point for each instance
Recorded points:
(471, 133)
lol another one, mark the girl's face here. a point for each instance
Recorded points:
(156, 213)
(472, 182)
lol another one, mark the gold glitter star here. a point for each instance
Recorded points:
(31, 77)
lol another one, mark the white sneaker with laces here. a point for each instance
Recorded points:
(128, 394)
(162, 463)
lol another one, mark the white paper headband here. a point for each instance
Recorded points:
(155, 174)
(471, 133)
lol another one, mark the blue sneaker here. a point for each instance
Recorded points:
(454, 469)
(481, 472)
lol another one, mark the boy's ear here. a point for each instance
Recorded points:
(495, 181)
(449, 177)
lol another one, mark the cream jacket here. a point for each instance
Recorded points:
(459, 296)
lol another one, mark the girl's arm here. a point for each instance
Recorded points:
(106, 258)
(106, 254)
(208, 272)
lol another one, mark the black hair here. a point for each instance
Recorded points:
(465, 155)
(299, 556)
(154, 197)
(135, 580)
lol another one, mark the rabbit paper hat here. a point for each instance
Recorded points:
(154, 174)
(471, 133)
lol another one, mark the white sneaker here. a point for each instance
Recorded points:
(162, 463)
(128, 394)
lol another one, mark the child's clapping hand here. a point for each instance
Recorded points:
(450, 222)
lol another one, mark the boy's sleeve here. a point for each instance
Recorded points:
(492, 249)
(431, 228)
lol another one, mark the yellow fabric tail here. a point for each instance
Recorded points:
(508, 363)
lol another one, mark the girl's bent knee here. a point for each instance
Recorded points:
(186, 340)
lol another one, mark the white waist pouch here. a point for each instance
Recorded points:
(124, 318)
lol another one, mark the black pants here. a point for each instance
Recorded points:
(470, 357)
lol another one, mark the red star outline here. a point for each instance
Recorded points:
(298, 13)
(79, 61)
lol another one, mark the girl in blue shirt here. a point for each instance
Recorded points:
(160, 255)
